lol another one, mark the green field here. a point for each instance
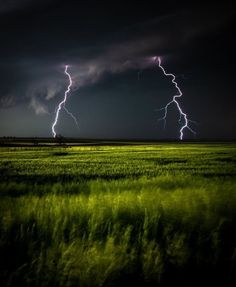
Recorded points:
(157, 215)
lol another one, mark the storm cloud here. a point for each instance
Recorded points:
(162, 36)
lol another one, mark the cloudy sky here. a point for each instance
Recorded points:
(118, 89)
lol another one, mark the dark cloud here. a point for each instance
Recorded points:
(8, 6)
(160, 36)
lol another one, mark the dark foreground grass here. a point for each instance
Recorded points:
(157, 215)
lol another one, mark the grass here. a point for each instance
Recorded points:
(156, 215)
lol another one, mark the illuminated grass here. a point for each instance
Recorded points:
(112, 216)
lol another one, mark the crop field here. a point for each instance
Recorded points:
(118, 215)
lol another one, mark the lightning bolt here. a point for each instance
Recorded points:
(62, 104)
(174, 100)
(70, 114)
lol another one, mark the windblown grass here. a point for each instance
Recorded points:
(116, 216)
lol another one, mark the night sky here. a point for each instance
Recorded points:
(117, 87)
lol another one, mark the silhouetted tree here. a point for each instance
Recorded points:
(60, 139)
(35, 141)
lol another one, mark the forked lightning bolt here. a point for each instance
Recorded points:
(62, 104)
(175, 101)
